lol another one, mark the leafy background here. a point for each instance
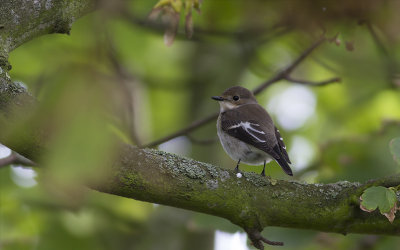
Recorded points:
(115, 71)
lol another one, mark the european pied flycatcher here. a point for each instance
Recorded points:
(246, 131)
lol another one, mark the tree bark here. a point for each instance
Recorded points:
(22, 20)
(251, 202)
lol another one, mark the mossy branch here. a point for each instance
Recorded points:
(21, 21)
(252, 202)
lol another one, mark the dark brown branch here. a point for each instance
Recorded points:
(280, 76)
(201, 141)
(257, 239)
(288, 70)
(184, 131)
(390, 62)
(376, 39)
(15, 158)
(312, 83)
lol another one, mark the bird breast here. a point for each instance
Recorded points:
(237, 149)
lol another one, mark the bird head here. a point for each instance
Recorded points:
(235, 97)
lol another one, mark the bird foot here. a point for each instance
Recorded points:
(237, 170)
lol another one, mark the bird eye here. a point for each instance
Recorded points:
(236, 98)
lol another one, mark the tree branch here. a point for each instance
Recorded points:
(24, 20)
(252, 202)
(15, 158)
(284, 74)
(312, 83)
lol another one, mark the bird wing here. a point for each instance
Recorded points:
(254, 126)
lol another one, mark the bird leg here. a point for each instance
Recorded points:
(263, 171)
(237, 167)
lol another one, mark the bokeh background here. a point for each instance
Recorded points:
(115, 72)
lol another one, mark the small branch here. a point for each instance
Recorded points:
(391, 64)
(376, 39)
(303, 55)
(257, 239)
(280, 76)
(7, 160)
(312, 83)
(184, 131)
(15, 158)
(286, 72)
(201, 141)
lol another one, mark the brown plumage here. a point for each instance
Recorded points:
(247, 132)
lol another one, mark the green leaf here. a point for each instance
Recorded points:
(381, 197)
(395, 149)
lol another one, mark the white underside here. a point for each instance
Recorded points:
(237, 149)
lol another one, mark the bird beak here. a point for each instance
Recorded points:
(217, 98)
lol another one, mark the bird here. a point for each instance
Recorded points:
(247, 132)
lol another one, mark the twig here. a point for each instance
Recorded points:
(389, 60)
(279, 76)
(282, 74)
(378, 41)
(312, 83)
(257, 239)
(201, 141)
(15, 158)
(184, 131)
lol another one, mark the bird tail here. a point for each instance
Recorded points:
(281, 160)
(285, 166)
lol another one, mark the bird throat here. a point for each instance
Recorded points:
(225, 105)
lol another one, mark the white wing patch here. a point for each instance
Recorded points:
(247, 126)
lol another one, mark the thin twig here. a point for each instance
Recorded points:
(389, 60)
(279, 76)
(15, 158)
(377, 40)
(201, 141)
(257, 239)
(7, 160)
(312, 83)
(282, 74)
(184, 131)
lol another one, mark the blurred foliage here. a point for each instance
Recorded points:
(114, 77)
